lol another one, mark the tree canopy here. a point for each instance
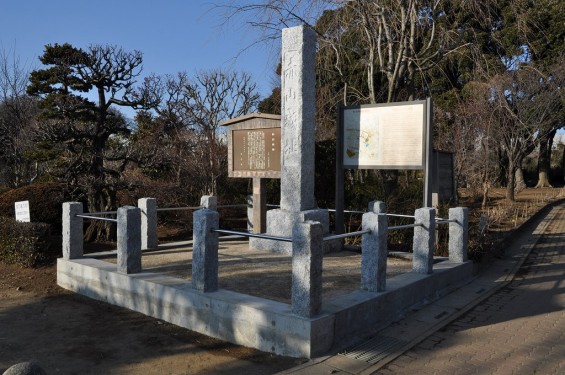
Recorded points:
(78, 90)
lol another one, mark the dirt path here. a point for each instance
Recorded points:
(70, 334)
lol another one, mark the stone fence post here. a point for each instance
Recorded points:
(148, 207)
(307, 257)
(129, 240)
(458, 234)
(210, 202)
(205, 250)
(374, 248)
(72, 230)
(424, 240)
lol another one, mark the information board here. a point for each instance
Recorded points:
(257, 150)
(254, 146)
(22, 211)
(385, 136)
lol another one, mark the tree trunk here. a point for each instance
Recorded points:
(511, 176)
(485, 195)
(101, 195)
(101, 199)
(503, 164)
(543, 180)
(544, 160)
(520, 183)
(563, 163)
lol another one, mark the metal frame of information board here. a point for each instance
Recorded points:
(426, 157)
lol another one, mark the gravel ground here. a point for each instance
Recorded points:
(263, 274)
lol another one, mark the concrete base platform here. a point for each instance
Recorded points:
(256, 322)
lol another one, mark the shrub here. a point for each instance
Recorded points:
(26, 244)
(45, 202)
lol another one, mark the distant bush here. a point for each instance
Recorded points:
(26, 244)
(45, 202)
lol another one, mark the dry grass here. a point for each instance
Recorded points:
(502, 216)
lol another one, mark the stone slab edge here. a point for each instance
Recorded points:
(251, 321)
(238, 318)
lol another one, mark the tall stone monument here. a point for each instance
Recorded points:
(298, 134)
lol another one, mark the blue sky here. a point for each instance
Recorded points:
(173, 35)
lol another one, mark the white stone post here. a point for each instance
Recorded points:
(129, 240)
(374, 248)
(72, 230)
(209, 201)
(307, 257)
(458, 234)
(205, 250)
(148, 207)
(424, 241)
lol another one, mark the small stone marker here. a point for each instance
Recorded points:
(22, 211)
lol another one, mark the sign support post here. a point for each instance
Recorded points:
(428, 168)
(254, 151)
(259, 205)
(339, 174)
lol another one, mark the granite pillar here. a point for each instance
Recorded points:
(458, 234)
(307, 257)
(209, 201)
(72, 230)
(374, 248)
(148, 207)
(205, 250)
(298, 134)
(129, 240)
(424, 240)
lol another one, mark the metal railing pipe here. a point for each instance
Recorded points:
(400, 215)
(345, 235)
(445, 221)
(247, 234)
(405, 226)
(97, 218)
(180, 208)
(101, 213)
(243, 205)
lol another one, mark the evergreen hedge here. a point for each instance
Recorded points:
(26, 244)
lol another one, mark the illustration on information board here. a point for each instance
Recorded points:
(361, 138)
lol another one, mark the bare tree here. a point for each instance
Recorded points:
(472, 138)
(193, 109)
(519, 105)
(548, 87)
(17, 112)
(391, 41)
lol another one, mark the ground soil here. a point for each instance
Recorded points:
(70, 334)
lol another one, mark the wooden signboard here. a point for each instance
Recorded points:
(254, 151)
(254, 146)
